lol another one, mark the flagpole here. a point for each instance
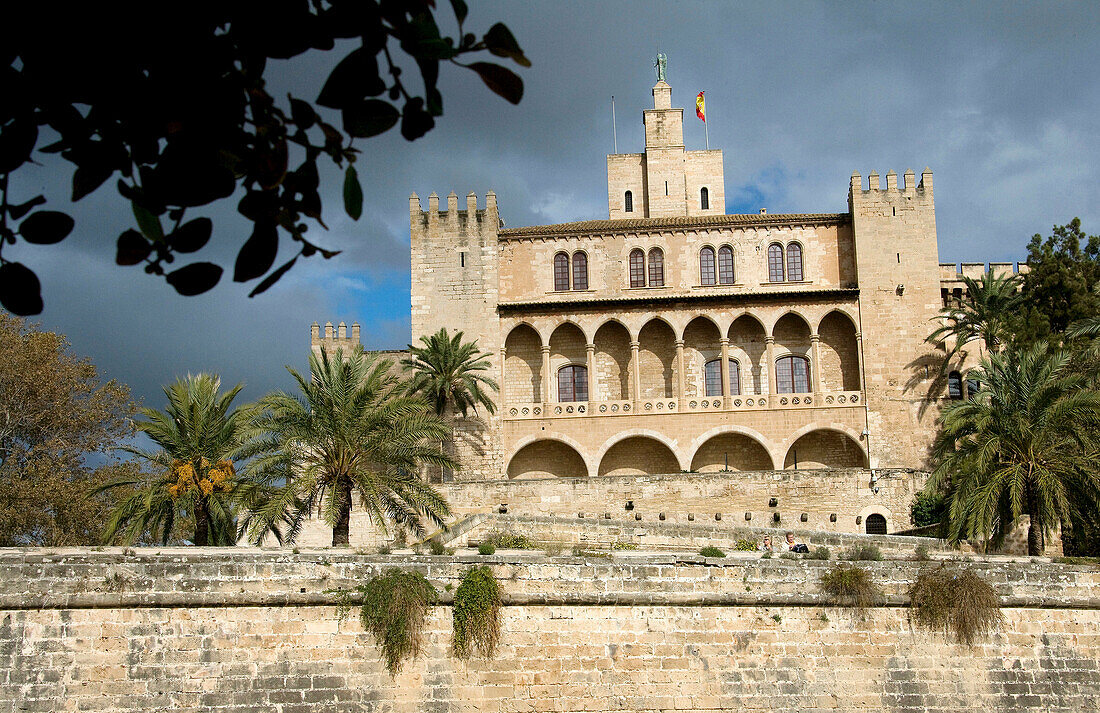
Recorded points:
(706, 124)
(614, 128)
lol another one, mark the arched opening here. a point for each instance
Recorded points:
(748, 347)
(573, 383)
(657, 360)
(954, 386)
(876, 524)
(701, 345)
(794, 262)
(566, 348)
(628, 202)
(824, 449)
(561, 272)
(637, 268)
(839, 367)
(792, 375)
(580, 271)
(731, 451)
(973, 385)
(546, 459)
(706, 266)
(704, 199)
(792, 349)
(775, 263)
(656, 268)
(725, 265)
(612, 361)
(523, 366)
(639, 455)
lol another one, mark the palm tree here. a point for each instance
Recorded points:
(353, 428)
(1025, 444)
(446, 372)
(194, 475)
(985, 313)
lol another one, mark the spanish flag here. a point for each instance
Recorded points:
(701, 107)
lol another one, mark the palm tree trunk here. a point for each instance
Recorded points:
(1035, 539)
(342, 530)
(202, 523)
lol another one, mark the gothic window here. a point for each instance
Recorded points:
(775, 263)
(561, 272)
(706, 266)
(792, 375)
(580, 271)
(794, 262)
(735, 377)
(712, 377)
(629, 202)
(876, 524)
(725, 265)
(656, 268)
(637, 268)
(573, 383)
(704, 199)
(954, 385)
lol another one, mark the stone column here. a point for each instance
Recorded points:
(859, 362)
(590, 353)
(726, 386)
(503, 373)
(546, 374)
(815, 366)
(679, 368)
(770, 342)
(636, 371)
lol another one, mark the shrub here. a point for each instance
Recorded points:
(927, 509)
(507, 540)
(436, 547)
(616, 545)
(476, 614)
(850, 586)
(788, 556)
(486, 548)
(744, 545)
(1077, 560)
(819, 553)
(712, 551)
(385, 550)
(955, 600)
(865, 553)
(553, 548)
(395, 605)
(581, 551)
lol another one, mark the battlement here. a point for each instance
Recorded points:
(954, 272)
(333, 339)
(875, 191)
(469, 220)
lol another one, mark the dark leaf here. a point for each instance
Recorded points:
(329, 254)
(460, 10)
(353, 194)
(147, 222)
(354, 78)
(435, 102)
(302, 113)
(415, 122)
(55, 147)
(502, 43)
(370, 117)
(17, 140)
(259, 206)
(20, 291)
(503, 81)
(272, 165)
(258, 253)
(273, 277)
(194, 279)
(18, 211)
(46, 227)
(191, 236)
(132, 248)
(89, 177)
(188, 175)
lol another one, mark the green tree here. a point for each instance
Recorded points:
(177, 107)
(985, 313)
(194, 477)
(354, 429)
(1025, 444)
(448, 373)
(56, 418)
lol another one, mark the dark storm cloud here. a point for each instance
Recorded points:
(999, 99)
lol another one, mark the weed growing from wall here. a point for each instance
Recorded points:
(744, 545)
(507, 540)
(848, 586)
(865, 553)
(476, 614)
(712, 551)
(955, 601)
(818, 553)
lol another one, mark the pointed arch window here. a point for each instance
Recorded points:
(561, 272)
(954, 386)
(775, 263)
(735, 377)
(656, 268)
(637, 268)
(792, 375)
(628, 202)
(712, 377)
(573, 383)
(580, 271)
(794, 262)
(725, 265)
(706, 266)
(704, 199)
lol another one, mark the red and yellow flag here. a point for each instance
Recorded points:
(701, 107)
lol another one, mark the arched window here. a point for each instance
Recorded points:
(876, 524)
(712, 378)
(573, 383)
(735, 378)
(561, 272)
(725, 265)
(656, 268)
(775, 263)
(954, 386)
(794, 262)
(704, 199)
(792, 375)
(973, 386)
(637, 268)
(580, 271)
(628, 202)
(706, 266)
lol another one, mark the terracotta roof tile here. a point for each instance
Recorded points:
(704, 221)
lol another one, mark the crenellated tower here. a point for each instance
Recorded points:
(333, 339)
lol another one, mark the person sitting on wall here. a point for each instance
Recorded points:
(766, 545)
(791, 546)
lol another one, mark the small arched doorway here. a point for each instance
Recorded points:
(876, 524)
